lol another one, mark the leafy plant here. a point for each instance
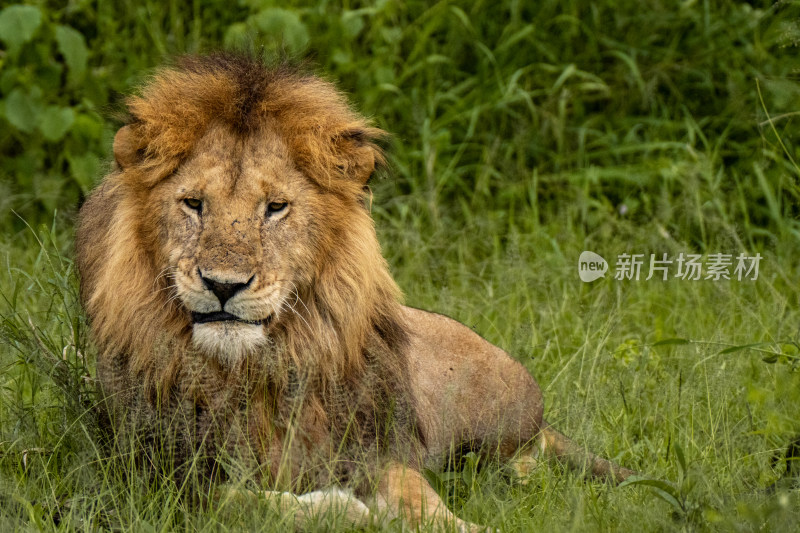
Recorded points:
(52, 131)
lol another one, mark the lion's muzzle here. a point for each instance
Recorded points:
(225, 323)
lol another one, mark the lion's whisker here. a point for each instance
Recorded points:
(293, 310)
(174, 296)
(168, 287)
(296, 292)
(164, 273)
(297, 295)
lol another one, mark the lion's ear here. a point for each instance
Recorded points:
(127, 149)
(362, 154)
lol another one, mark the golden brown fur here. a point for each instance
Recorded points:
(236, 289)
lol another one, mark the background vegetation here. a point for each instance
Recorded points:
(523, 134)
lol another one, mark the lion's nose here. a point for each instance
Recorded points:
(224, 290)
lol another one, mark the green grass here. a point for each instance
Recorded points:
(521, 137)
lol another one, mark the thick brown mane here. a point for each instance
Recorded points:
(350, 331)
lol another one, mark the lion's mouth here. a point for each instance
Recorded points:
(222, 316)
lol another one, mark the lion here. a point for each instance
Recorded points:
(241, 306)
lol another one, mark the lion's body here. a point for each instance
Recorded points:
(451, 367)
(237, 294)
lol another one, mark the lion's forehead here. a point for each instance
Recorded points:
(252, 167)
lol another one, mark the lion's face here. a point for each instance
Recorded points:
(240, 233)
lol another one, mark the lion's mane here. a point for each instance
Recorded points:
(348, 346)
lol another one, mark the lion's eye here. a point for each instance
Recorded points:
(193, 203)
(273, 208)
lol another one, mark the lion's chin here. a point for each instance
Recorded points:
(229, 341)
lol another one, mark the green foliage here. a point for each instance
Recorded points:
(651, 115)
(18, 24)
(52, 136)
(283, 24)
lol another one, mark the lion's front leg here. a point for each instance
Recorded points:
(340, 505)
(404, 492)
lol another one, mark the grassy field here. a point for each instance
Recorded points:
(522, 135)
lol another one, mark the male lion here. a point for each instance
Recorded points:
(242, 309)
